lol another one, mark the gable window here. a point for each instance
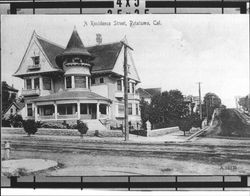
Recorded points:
(101, 80)
(119, 85)
(128, 68)
(129, 108)
(92, 80)
(11, 110)
(36, 60)
(68, 82)
(36, 83)
(28, 84)
(29, 109)
(80, 81)
(46, 83)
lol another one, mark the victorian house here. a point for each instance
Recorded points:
(77, 82)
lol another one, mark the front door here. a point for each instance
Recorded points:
(92, 110)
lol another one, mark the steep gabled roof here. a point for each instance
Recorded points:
(143, 94)
(105, 56)
(51, 50)
(153, 91)
(6, 87)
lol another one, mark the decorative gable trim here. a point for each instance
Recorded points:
(33, 39)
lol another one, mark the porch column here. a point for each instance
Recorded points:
(87, 82)
(122, 85)
(78, 110)
(35, 111)
(97, 110)
(109, 111)
(73, 81)
(41, 83)
(55, 106)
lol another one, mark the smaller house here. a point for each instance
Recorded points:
(148, 93)
(14, 108)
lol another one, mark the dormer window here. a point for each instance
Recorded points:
(36, 60)
(77, 60)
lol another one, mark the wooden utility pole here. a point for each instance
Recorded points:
(125, 67)
(199, 83)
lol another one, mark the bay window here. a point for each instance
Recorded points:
(36, 83)
(68, 82)
(80, 81)
(28, 84)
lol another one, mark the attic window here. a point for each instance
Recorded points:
(36, 60)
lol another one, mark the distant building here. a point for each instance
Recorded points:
(8, 95)
(14, 108)
(148, 93)
(77, 82)
(193, 103)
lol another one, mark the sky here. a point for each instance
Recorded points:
(173, 52)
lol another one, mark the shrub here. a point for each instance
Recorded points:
(5, 122)
(82, 127)
(30, 127)
(17, 120)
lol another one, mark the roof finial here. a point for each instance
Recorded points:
(74, 27)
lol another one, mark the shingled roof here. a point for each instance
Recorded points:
(69, 95)
(51, 50)
(105, 56)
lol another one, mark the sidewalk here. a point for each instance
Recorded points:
(172, 138)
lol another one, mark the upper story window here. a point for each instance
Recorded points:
(68, 82)
(133, 87)
(80, 81)
(119, 85)
(36, 83)
(128, 87)
(129, 108)
(36, 60)
(29, 109)
(46, 83)
(28, 84)
(101, 80)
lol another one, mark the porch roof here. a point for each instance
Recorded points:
(71, 95)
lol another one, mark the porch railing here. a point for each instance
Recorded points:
(67, 116)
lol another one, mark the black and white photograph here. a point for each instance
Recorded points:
(119, 95)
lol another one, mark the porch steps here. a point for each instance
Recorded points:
(95, 125)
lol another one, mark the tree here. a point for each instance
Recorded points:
(30, 127)
(167, 109)
(145, 112)
(211, 101)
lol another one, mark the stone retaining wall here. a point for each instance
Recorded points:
(164, 131)
(62, 132)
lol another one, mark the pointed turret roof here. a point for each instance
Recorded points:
(74, 47)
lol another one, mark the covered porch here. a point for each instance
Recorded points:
(71, 110)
